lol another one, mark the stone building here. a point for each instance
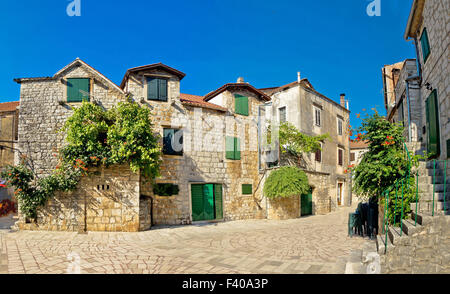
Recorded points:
(402, 97)
(210, 169)
(8, 135)
(315, 114)
(428, 27)
(357, 150)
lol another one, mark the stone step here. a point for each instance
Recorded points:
(430, 164)
(438, 196)
(409, 227)
(427, 206)
(429, 172)
(428, 188)
(381, 244)
(396, 235)
(430, 179)
(423, 218)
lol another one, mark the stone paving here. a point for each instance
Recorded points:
(313, 244)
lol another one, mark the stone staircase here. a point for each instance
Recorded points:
(429, 232)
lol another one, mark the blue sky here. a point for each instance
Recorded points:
(334, 44)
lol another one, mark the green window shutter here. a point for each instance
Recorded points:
(152, 88)
(78, 89)
(425, 45)
(208, 201)
(218, 201)
(237, 149)
(197, 202)
(229, 148)
(240, 104)
(432, 119)
(162, 87)
(247, 189)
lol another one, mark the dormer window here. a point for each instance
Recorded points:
(78, 89)
(157, 89)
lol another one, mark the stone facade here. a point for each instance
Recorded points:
(115, 199)
(433, 16)
(300, 101)
(106, 200)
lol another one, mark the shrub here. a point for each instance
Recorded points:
(286, 181)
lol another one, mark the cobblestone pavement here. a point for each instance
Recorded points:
(313, 244)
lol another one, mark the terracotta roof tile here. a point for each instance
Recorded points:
(198, 101)
(9, 106)
(359, 145)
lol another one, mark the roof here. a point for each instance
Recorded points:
(359, 145)
(197, 101)
(77, 61)
(307, 86)
(9, 106)
(159, 65)
(414, 19)
(229, 86)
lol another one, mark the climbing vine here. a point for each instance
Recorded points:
(94, 137)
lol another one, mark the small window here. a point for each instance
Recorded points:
(157, 89)
(425, 45)
(318, 155)
(247, 189)
(165, 189)
(282, 111)
(78, 90)
(401, 113)
(233, 148)
(352, 156)
(340, 157)
(241, 104)
(173, 142)
(317, 118)
(340, 127)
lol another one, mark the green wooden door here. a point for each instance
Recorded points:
(432, 116)
(306, 204)
(208, 200)
(218, 201)
(197, 202)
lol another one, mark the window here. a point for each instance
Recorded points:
(78, 89)
(401, 113)
(157, 89)
(233, 148)
(318, 155)
(340, 129)
(173, 142)
(165, 189)
(340, 157)
(425, 45)
(282, 111)
(352, 156)
(240, 104)
(247, 189)
(317, 113)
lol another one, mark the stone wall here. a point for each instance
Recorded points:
(283, 208)
(435, 70)
(425, 252)
(106, 200)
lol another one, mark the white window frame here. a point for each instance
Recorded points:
(340, 130)
(317, 109)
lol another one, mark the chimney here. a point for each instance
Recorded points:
(299, 78)
(240, 80)
(343, 100)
